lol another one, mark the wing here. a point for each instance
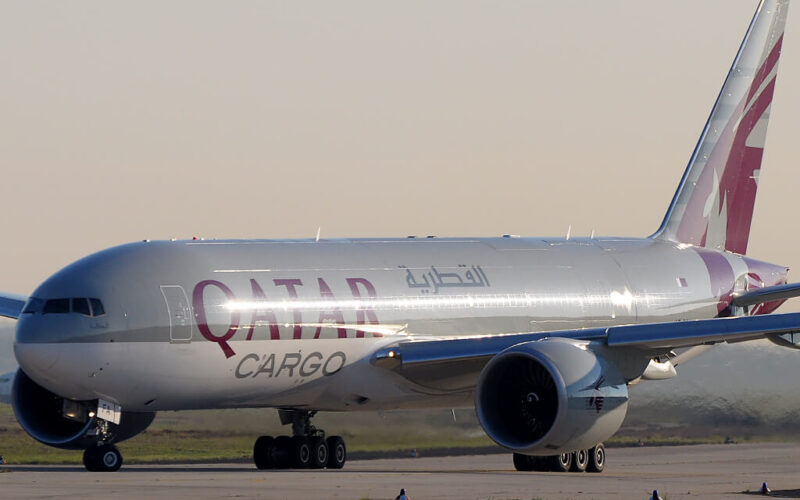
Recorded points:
(767, 294)
(455, 363)
(11, 304)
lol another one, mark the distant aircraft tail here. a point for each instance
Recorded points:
(713, 206)
(6, 383)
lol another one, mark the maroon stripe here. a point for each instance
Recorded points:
(721, 275)
(766, 68)
(737, 181)
(693, 225)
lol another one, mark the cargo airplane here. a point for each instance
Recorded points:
(543, 336)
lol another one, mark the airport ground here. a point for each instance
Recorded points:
(215, 436)
(698, 471)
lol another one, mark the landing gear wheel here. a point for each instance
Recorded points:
(523, 463)
(301, 454)
(561, 463)
(337, 452)
(319, 453)
(89, 460)
(263, 452)
(282, 452)
(527, 463)
(597, 458)
(580, 460)
(103, 458)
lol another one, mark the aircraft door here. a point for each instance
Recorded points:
(180, 313)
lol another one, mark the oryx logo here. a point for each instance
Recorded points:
(597, 400)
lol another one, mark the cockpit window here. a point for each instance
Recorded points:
(97, 307)
(81, 306)
(33, 305)
(56, 306)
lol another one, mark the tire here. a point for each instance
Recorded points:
(104, 458)
(528, 463)
(301, 454)
(319, 453)
(523, 463)
(263, 452)
(337, 452)
(89, 460)
(597, 459)
(282, 452)
(580, 460)
(561, 463)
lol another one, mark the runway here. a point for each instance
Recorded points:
(707, 471)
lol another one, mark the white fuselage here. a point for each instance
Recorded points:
(210, 324)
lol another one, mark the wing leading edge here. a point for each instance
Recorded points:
(767, 294)
(11, 304)
(454, 363)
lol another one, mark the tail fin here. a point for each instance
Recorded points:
(713, 206)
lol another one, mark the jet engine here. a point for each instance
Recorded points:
(550, 396)
(64, 423)
(791, 340)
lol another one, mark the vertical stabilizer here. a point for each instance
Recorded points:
(713, 206)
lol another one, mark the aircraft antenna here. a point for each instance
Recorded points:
(319, 230)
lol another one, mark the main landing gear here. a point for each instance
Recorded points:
(306, 449)
(592, 460)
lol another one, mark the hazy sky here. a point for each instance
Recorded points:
(123, 121)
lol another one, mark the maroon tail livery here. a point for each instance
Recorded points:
(713, 206)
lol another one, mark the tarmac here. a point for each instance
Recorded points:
(707, 471)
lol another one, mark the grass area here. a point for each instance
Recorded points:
(228, 435)
(189, 446)
(151, 446)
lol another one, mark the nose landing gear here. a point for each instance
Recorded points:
(306, 449)
(102, 458)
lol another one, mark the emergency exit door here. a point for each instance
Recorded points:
(180, 313)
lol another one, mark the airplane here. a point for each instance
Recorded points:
(6, 381)
(542, 336)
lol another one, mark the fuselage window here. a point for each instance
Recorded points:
(56, 306)
(81, 306)
(34, 305)
(97, 307)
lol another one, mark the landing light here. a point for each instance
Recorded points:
(73, 410)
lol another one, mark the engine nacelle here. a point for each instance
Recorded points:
(791, 340)
(550, 396)
(63, 423)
